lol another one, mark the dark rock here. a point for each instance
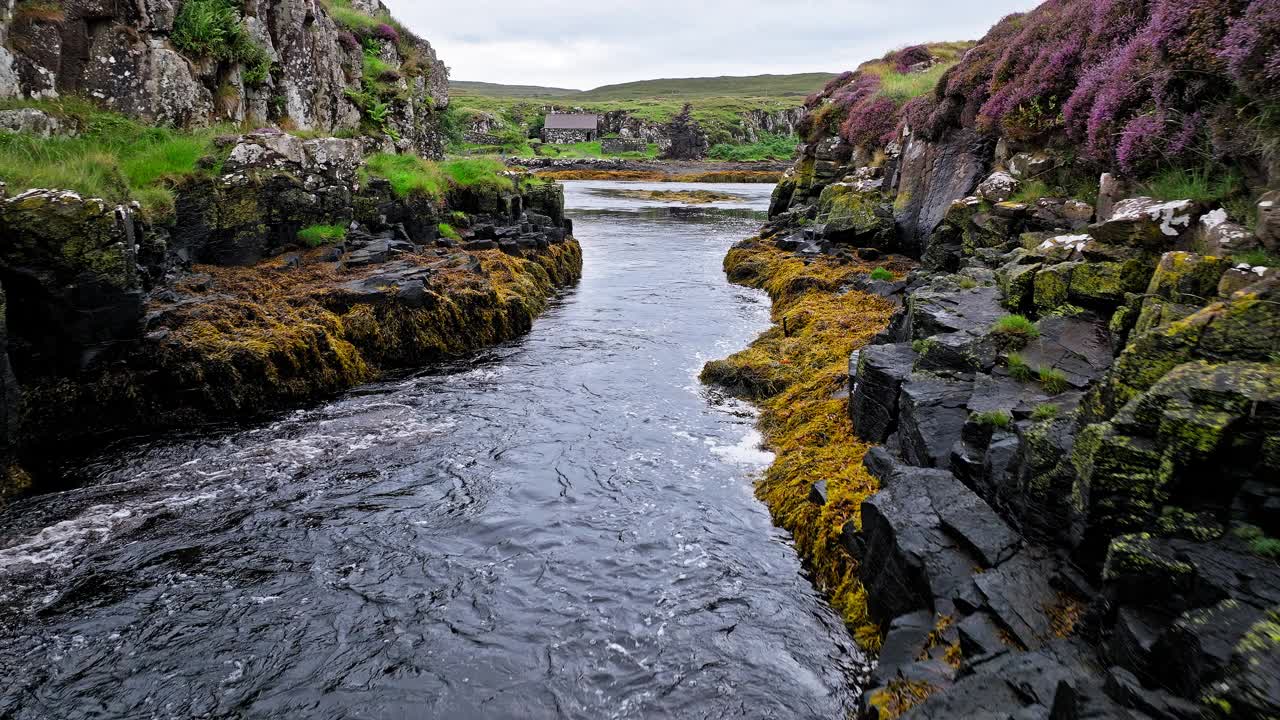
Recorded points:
(905, 641)
(932, 414)
(874, 406)
(1019, 596)
(981, 637)
(932, 176)
(818, 493)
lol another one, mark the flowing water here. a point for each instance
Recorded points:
(561, 527)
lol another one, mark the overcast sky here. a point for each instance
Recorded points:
(585, 44)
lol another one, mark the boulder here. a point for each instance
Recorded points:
(932, 415)
(850, 216)
(1269, 221)
(1147, 224)
(30, 121)
(998, 187)
(1028, 166)
(1222, 238)
(933, 175)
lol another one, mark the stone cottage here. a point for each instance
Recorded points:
(565, 128)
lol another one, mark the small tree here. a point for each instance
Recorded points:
(687, 139)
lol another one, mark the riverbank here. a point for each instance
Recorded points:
(302, 268)
(652, 170)
(797, 373)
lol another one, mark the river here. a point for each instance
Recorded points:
(560, 527)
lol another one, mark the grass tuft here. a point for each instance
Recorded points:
(881, 274)
(1016, 327)
(1256, 258)
(317, 235)
(1045, 412)
(1054, 381)
(1000, 419)
(1019, 369)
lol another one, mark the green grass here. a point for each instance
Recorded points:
(214, 29)
(317, 235)
(1016, 326)
(911, 86)
(1054, 381)
(881, 274)
(1019, 369)
(348, 17)
(447, 231)
(768, 147)
(1254, 258)
(1045, 412)
(114, 158)
(582, 150)
(999, 419)
(1208, 186)
(1029, 191)
(411, 175)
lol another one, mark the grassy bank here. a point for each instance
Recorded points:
(109, 156)
(798, 373)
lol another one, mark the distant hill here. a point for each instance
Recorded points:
(463, 87)
(764, 86)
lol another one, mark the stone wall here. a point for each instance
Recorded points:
(558, 136)
(614, 146)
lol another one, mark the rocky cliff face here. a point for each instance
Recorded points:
(1076, 403)
(124, 54)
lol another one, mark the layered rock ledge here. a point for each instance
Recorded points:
(290, 276)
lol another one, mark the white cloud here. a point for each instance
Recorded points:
(565, 43)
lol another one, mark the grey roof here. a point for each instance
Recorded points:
(576, 121)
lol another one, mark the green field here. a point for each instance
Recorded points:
(718, 105)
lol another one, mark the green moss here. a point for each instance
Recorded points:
(1052, 285)
(881, 274)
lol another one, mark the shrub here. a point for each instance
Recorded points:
(317, 235)
(881, 274)
(214, 29)
(1054, 381)
(1016, 326)
(386, 32)
(999, 419)
(906, 58)
(348, 40)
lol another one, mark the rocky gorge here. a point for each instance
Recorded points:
(1027, 421)
(276, 266)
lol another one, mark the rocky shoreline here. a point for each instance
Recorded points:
(120, 326)
(1043, 484)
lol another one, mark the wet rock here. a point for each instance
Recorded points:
(932, 414)
(818, 493)
(1079, 347)
(910, 561)
(874, 405)
(402, 282)
(947, 309)
(1019, 596)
